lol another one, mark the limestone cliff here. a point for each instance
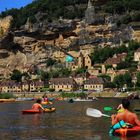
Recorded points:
(5, 24)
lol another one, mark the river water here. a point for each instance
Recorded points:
(69, 122)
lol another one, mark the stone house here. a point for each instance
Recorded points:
(10, 86)
(95, 84)
(62, 84)
(80, 61)
(115, 60)
(25, 86)
(36, 86)
(81, 78)
(137, 55)
(59, 55)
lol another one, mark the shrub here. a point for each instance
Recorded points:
(6, 96)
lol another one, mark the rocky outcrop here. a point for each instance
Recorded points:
(24, 40)
(5, 24)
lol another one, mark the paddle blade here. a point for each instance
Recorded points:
(108, 108)
(93, 112)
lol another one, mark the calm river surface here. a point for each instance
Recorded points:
(69, 122)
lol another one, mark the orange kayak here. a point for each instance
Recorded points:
(33, 111)
(30, 111)
(135, 130)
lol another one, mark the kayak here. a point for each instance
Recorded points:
(33, 111)
(135, 130)
(49, 110)
(46, 103)
(30, 111)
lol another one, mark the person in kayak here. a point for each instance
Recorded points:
(120, 108)
(37, 105)
(126, 115)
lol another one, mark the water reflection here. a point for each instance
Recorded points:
(36, 119)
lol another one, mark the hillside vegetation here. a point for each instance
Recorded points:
(71, 9)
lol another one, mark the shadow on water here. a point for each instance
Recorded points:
(69, 122)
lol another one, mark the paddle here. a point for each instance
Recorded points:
(95, 113)
(107, 108)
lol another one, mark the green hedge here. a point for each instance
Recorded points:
(6, 96)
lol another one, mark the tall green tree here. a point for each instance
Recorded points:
(16, 75)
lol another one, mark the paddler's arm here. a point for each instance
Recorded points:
(42, 107)
(137, 121)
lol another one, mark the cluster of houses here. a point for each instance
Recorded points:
(56, 84)
(88, 81)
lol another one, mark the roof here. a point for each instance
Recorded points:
(64, 81)
(10, 84)
(116, 59)
(97, 80)
(111, 61)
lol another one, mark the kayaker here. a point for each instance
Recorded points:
(45, 99)
(37, 105)
(126, 115)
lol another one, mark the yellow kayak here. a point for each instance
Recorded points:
(46, 103)
(49, 110)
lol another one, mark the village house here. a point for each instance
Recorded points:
(94, 84)
(59, 55)
(10, 86)
(62, 84)
(80, 78)
(137, 55)
(115, 60)
(80, 61)
(26, 86)
(36, 86)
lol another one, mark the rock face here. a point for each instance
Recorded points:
(5, 25)
(90, 13)
(35, 42)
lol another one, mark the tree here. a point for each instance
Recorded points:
(16, 75)
(127, 79)
(138, 80)
(123, 79)
(50, 62)
(119, 81)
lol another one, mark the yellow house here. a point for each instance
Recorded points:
(95, 84)
(88, 61)
(36, 86)
(25, 86)
(80, 61)
(62, 84)
(10, 86)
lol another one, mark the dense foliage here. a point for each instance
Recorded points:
(71, 9)
(52, 8)
(102, 54)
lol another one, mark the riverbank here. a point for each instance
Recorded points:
(58, 94)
